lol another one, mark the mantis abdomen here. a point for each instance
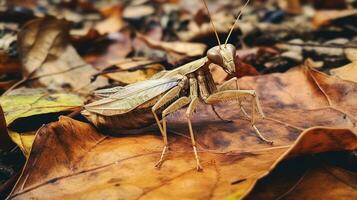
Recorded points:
(138, 118)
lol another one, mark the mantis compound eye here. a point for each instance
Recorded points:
(232, 49)
(215, 56)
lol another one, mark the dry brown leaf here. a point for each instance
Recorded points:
(242, 69)
(9, 65)
(305, 177)
(183, 48)
(49, 59)
(195, 32)
(122, 167)
(138, 12)
(324, 17)
(291, 6)
(128, 77)
(120, 47)
(113, 23)
(351, 54)
(347, 72)
(90, 165)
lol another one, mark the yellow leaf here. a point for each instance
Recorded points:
(23, 140)
(24, 103)
(236, 195)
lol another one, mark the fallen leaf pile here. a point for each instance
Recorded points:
(233, 158)
(299, 56)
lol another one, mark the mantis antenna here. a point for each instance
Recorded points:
(235, 22)
(214, 28)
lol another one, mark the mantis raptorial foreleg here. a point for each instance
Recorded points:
(204, 91)
(233, 94)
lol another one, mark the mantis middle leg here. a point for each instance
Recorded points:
(227, 86)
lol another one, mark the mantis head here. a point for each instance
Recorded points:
(223, 56)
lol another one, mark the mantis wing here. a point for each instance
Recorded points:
(104, 93)
(132, 96)
(120, 92)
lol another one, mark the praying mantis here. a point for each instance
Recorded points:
(147, 102)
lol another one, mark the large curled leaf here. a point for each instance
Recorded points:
(92, 165)
(50, 60)
(334, 173)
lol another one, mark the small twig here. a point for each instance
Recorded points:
(322, 45)
(23, 80)
(56, 73)
(29, 78)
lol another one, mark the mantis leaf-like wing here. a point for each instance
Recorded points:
(104, 93)
(132, 96)
(123, 92)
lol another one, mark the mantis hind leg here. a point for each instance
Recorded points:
(235, 94)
